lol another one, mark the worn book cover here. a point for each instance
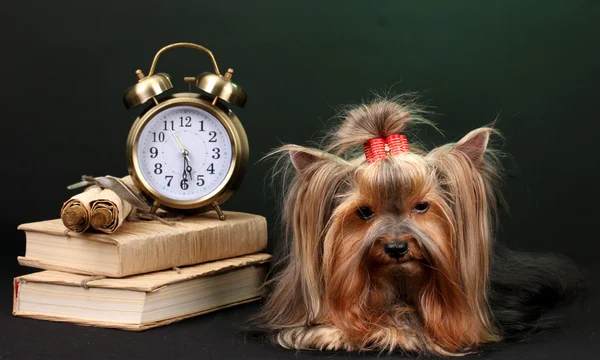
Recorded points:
(142, 301)
(143, 246)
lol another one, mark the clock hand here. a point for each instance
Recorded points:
(187, 165)
(187, 168)
(186, 159)
(184, 174)
(183, 150)
(185, 155)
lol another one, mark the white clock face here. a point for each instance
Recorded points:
(184, 153)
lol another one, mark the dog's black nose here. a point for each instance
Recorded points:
(396, 249)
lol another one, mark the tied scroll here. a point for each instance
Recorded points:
(75, 212)
(104, 206)
(108, 210)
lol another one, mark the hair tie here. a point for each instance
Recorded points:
(379, 148)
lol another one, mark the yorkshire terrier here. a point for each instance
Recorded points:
(390, 247)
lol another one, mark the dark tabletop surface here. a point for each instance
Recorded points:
(220, 335)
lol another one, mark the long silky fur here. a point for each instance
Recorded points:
(529, 291)
(321, 296)
(298, 281)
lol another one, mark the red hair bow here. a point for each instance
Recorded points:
(379, 148)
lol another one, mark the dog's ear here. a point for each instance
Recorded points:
(474, 144)
(303, 157)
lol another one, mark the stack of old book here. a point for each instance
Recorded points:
(146, 274)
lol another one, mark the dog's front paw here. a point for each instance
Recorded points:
(313, 338)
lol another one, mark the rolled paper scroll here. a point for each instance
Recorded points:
(108, 210)
(75, 212)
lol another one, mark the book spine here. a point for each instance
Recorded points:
(16, 295)
(164, 251)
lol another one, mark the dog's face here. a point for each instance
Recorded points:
(389, 218)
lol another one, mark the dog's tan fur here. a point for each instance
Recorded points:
(338, 289)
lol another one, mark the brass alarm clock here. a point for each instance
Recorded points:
(187, 152)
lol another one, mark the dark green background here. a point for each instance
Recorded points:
(531, 64)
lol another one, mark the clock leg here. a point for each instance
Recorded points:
(154, 207)
(218, 210)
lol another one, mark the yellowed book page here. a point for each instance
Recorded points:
(129, 327)
(200, 238)
(148, 282)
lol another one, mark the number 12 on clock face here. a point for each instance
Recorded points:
(184, 153)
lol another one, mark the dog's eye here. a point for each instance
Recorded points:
(421, 207)
(365, 212)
